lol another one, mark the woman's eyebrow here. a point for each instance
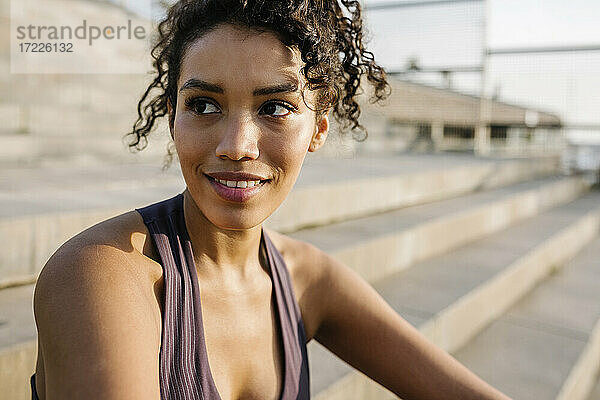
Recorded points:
(285, 87)
(202, 85)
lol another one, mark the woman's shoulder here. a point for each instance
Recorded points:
(106, 260)
(92, 300)
(116, 246)
(307, 265)
(301, 258)
(125, 233)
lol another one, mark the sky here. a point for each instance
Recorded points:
(531, 22)
(456, 34)
(543, 22)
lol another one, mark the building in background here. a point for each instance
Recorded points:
(418, 117)
(538, 55)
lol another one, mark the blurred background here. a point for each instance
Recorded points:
(472, 207)
(531, 65)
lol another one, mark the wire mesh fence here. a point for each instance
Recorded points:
(465, 80)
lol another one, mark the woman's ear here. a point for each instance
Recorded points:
(320, 135)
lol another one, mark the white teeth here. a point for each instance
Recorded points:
(239, 184)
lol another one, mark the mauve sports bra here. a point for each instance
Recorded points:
(184, 372)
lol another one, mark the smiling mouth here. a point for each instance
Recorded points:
(241, 184)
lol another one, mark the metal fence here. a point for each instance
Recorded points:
(524, 99)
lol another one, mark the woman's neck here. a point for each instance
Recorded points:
(217, 251)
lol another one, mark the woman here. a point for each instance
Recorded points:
(247, 87)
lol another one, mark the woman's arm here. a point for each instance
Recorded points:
(361, 328)
(97, 336)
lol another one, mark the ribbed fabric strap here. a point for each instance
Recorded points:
(184, 369)
(180, 376)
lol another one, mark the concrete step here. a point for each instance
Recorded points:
(595, 394)
(17, 329)
(56, 120)
(27, 151)
(18, 342)
(397, 239)
(445, 308)
(44, 218)
(547, 346)
(450, 298)
(421, 178)
(114, 93)
(17, 183)
(329, 190)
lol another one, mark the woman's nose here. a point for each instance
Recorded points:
(239, 141)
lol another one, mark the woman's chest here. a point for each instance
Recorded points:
(244, 346)
(242, 338)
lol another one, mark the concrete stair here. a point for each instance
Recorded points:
(548, 344)
(451, 297)
(18, 342)
(595, 394)
(101, 93)
(457, 242)
(47, 217)
(73, 117)
(409, 235)
(27, 151)
(59, 120)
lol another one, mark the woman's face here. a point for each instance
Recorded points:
(240, 110)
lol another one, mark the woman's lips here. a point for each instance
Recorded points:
(236, 194)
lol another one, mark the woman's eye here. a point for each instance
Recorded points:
(200, 106)
(276, 109)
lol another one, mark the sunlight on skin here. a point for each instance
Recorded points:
(240, 108)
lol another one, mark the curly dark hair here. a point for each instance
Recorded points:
(328, 34)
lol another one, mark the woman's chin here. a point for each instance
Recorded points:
(235, 224)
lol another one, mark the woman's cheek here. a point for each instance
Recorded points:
(294, 138)
(190, 138)
(288, 152)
